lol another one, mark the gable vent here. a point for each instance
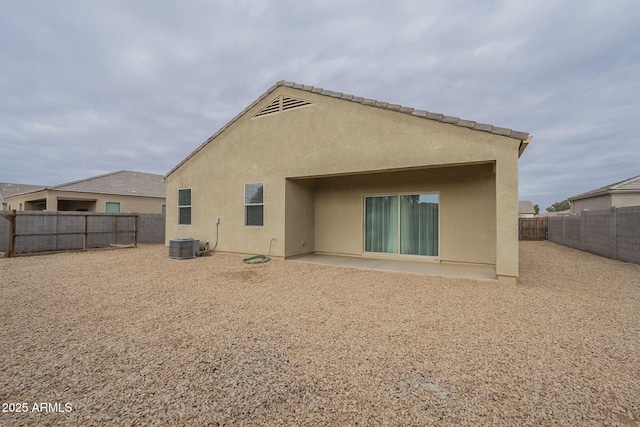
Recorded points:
(282, 103)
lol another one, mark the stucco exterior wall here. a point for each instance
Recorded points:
(127, 203)
(333, 137)
(621, 200)
(300, 216)
(606, 201)
(467, 209)
(592, 203)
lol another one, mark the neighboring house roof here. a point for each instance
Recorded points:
(125, 183)
(526, 207)
(9, 189)
(559, 213)
(522, 136)
(631, 185)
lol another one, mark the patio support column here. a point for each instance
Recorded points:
(52, 201)
(507, 218)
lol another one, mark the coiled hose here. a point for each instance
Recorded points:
(259, 259)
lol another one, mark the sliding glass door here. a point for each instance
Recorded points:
(405, 224)
(381, 224)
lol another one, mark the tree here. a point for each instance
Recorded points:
(536, 208)
(559, 206)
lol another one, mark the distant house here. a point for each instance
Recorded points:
(619, 194)
(122, 191)
(8, 189)
(526, 209)
(307, 170)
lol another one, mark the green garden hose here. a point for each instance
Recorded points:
(259, 259)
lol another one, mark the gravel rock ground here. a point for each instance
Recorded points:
(131, 337)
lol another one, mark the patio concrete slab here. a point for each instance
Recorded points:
(481, 272)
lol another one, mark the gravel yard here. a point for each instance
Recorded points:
(131, 337)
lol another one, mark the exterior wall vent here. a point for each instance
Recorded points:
(282, 103)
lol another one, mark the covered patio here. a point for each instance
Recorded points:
(467, 271)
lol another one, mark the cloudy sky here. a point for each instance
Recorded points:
(91, 87)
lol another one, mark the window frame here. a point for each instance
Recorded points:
(189, 206)
(106, 207)
(247, 205)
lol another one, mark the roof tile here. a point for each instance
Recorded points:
(501, 131)
(483, 127)
(519, 135)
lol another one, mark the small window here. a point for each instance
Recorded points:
(254, 204)
(113, 207)
(164, 209)
(184, 206)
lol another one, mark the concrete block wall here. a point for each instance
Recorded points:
(4, 232)
(151, 229)
(597, 235)
(573, 232)
(628, 234)
(612, 233)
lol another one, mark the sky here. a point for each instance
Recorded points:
(89, 87)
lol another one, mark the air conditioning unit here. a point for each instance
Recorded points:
(183, 248)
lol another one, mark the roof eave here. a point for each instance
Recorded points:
(524, 137)
(588, 195)
(524, 144)
(38, 190)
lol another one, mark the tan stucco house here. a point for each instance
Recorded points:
(304, 170)
(526, 209)
(617, 195)
(8, 189)
(121, 191)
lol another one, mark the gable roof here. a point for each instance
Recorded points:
(525, 207)
(8, 189)
(521, 136)
(631, 185)
(124, 183)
